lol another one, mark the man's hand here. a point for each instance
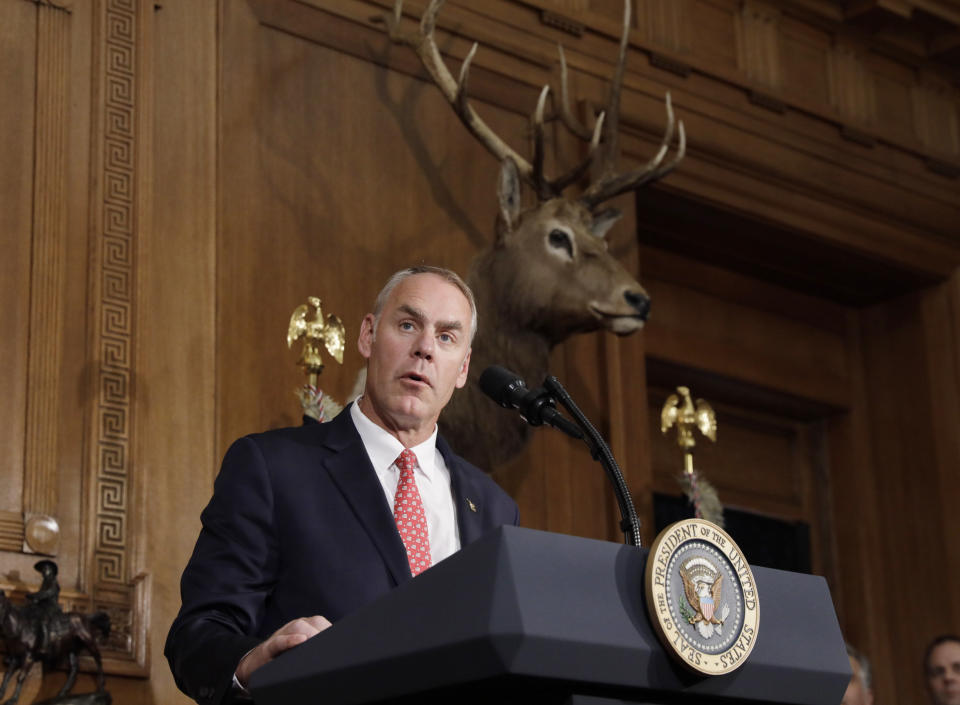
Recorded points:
(286, 637)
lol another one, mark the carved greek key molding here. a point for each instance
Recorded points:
(115, 304)
(113, 281)
(116, 273)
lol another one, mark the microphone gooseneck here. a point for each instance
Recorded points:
(538, 406)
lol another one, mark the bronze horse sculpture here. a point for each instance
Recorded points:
(42, 632)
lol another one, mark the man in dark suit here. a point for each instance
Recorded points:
(303, 525)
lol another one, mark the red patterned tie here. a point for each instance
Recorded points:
(408, 513)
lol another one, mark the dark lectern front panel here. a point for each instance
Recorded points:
(526, 611)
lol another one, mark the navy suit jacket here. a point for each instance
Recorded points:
(298, 525)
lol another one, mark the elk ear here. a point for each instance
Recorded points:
(604, 220)
(508, 192)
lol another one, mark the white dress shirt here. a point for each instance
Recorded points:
(432, 476)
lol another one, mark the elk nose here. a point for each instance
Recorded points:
(640, 301)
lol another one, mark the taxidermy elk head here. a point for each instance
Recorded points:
(548, 273)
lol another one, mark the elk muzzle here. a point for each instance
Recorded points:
(627, 315)
(640, 302)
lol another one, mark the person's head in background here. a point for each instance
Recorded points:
(942, 666)
(859, 690)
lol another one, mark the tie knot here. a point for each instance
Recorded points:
(407, 460)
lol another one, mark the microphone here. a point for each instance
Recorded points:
(536, 406)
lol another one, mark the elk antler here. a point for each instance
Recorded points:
(566, 115)
(455, 91)
(608, 184)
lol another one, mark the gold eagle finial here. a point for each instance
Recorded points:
(307, 324)
(685, 415)
(680, 410)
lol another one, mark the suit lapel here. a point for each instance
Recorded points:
(350, 468)
(466, 497)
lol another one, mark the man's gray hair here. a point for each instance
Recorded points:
(864, 662)
(445, 274)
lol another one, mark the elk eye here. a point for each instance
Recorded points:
(561, 240)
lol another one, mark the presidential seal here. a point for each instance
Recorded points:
(701, 597)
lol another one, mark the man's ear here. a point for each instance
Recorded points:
(365, 341)
(464, 369)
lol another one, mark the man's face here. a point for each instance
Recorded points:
(419, 355)
(943, 674)
(857, 693)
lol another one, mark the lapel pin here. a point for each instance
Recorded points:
(473, 507)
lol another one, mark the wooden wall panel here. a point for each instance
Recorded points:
(74, 394)
(47, 278)
(893, 90)
(18, 23)
(631, 440)
(852, 88)
(714, 22)
(41, 354)
(665, 23)
(911, 393)
(937, 114)
(759, 45)
(805, 56)
(177, 401)
(856, 516)
(939, 315)
(733, 339)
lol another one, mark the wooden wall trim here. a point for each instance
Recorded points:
(939, 310)
(111, 580)
(46, 281)
(797, 169)
(11, 531)
(759, 44)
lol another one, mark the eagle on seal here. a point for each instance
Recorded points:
(703, 587)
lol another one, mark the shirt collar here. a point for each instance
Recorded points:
(384, 448)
